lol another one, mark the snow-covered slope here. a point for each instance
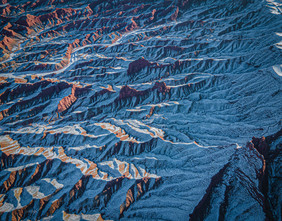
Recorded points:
(140, 110)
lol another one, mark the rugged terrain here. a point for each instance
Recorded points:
(140, 110)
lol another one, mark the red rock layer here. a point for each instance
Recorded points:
(137, 65)
(69, 100)
(127, 92)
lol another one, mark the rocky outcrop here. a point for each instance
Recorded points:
(261, 145)
(258, 183)
(161, 87)
(126, 92)
(29, 20)
(136, 191)
(137, 66)
(268, 179)
(22, 90)
(7, 44)
(43, 96)
(68, 101)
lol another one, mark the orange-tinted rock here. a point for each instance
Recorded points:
(7, 10)
(67, 101)
(153, 14)
(8, 32)
(175, 14)
(137, 190)
(29, 20)
(44, 95)
(54, 206)
(261, 145)
(78, 91)
(10, 181)
(20, 80)
(161, 87)
(18, 214)
(132, 26)
(129, 198)
(151, 112)
(7, 43)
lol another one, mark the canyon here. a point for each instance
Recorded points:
(140, 110)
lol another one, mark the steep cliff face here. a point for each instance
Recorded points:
(67, 101)
(270, 181)
(140, 110)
